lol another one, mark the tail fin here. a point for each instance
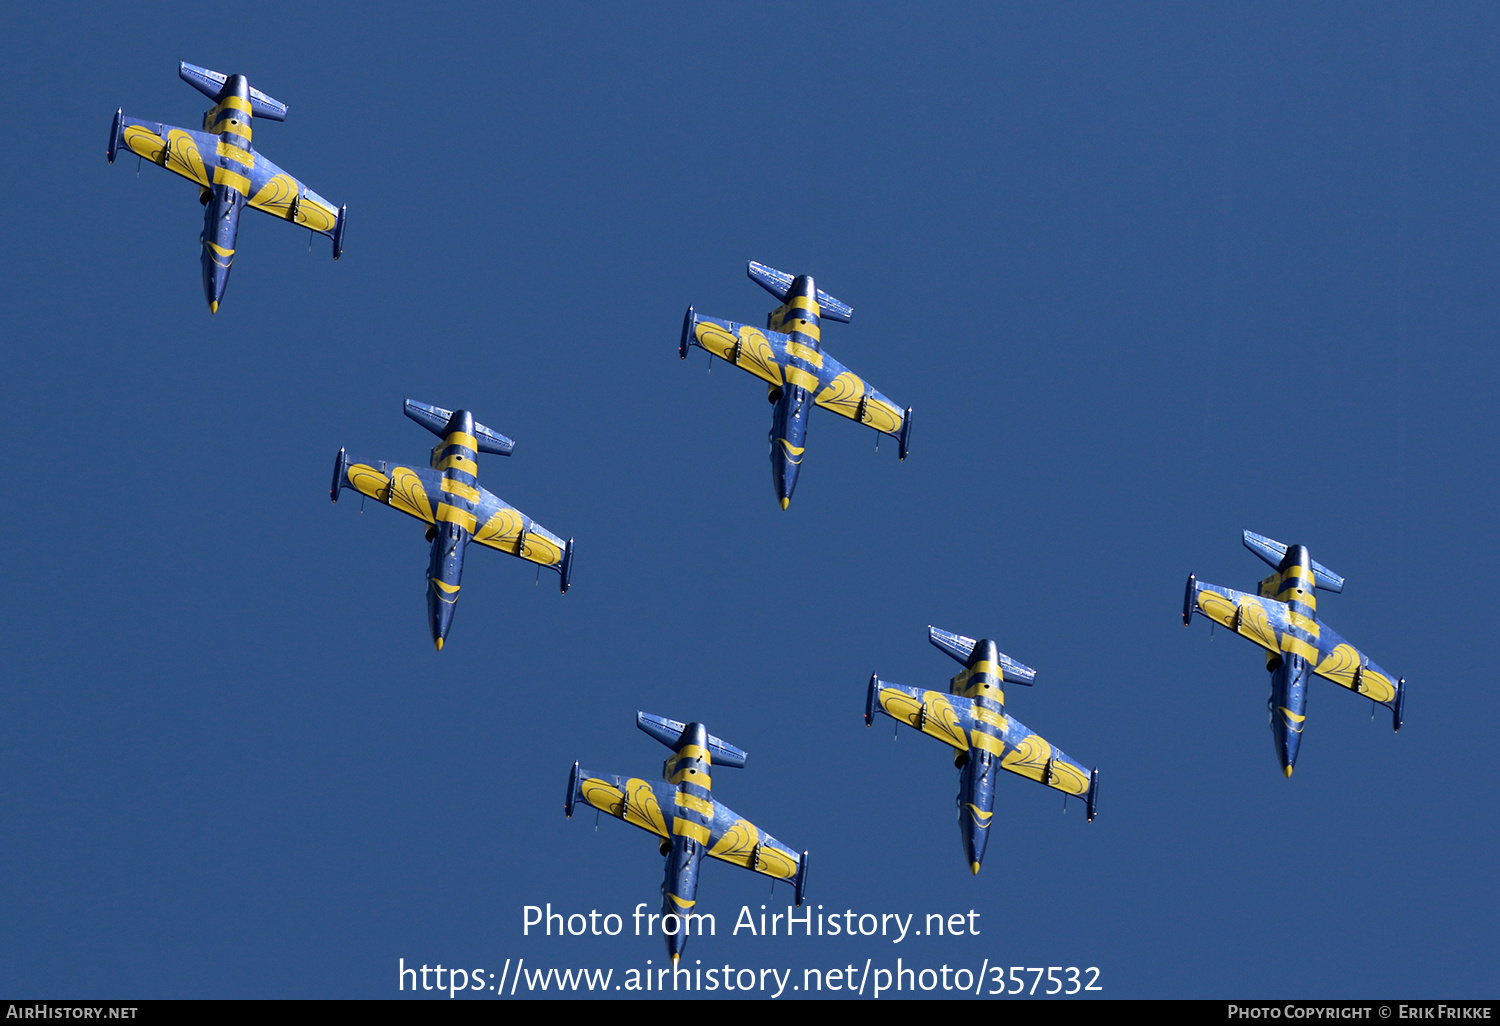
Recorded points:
(1093, 796)
(777, 283)
(669, 731)
(800, 882)
(209, 83)
(435, 419)
(1273, 552)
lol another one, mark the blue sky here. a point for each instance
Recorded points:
(1148, 275)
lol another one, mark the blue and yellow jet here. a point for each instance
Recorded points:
(972, 718)
(789, 357)
(1283, 620)
(695, 825)
(228, 170)
(448, 499)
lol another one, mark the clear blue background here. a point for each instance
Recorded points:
(1149, 275)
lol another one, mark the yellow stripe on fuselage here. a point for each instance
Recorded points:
(692, 801)
(458, 461)
(239, 183)
(234, 153)
(454, 515)
(459, 488)
(1298, 620)
(986, 742)
(797, 376)
(461, 438)
(700, 777)
(1297, 646)
(803, 352)
(980, 816)
(988, 716)
(233, 127)
(688, 752)
(687, 828)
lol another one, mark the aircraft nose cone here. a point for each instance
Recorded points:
(1288, 771)
(785, 501)
(441, 600)
(213, 306)
(441, 622)
(440, 625)
(974, 867)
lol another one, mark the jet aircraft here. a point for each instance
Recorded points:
(695, 825)
(1283, 620)
(456, 510)
(789, 357)
(229, 172)
(973, 720)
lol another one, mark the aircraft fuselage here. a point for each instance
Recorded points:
(1292, 668)
(798, 318)
(225, 197)
(981, 681)
(689, 769)
(455, 520)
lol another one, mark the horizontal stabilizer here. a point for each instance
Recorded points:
(210, 83)
(1273, 552)
(669, 732)
(435, 419)
(961, 648)
(777, 283)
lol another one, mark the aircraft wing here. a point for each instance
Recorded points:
(647, 804)
(629, 798)
(952, 720)
(1276, 628)
(1348, 667)
(415, 491)
(280, 195)
(177, 149)
(1264, 621)
(500, 526)
(849, 395)
(763, 353)
(735, 839)
(418, 492)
